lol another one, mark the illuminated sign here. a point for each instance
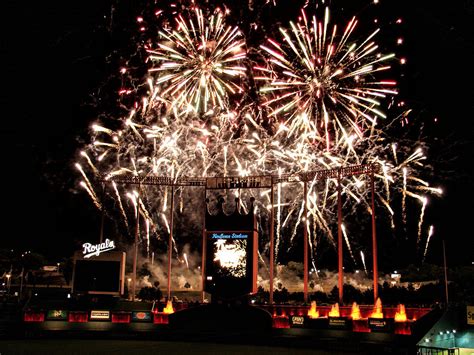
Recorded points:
(56, 315)
(229, 236)
(339, 322)
(378, 324)
(91, 250)
(138, 316)
(470, 315)
(297, 321)
(100, 315)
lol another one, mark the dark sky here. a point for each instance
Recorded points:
(55, 54)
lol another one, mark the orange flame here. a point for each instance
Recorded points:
(312, 312)
(334, 311)
(377, 313)
(401, 315)
(355, 313)
(169, 308)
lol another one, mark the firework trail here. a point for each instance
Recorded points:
(122, 211)
(344, 233)
(186, 260)
(91, 193)
(404, 195)
(362, 257)
(424, 200)
(147, 224)
(430, 233)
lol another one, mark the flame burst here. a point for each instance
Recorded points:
(355, 311)
(377, 312)
(169, 307)
(334, 312)
(312, 311)
(401, 315)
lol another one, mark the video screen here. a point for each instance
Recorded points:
(98, 276)
(230, 257)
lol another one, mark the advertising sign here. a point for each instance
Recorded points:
(380, 324)
(56, 315)
(103, 274)
(470, 315)
(339, 322)
(297, 321)
(95, 250)
(100, 315)
(141, 316)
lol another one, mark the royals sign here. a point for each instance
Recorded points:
(91, 250)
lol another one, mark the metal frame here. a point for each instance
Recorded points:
(260, 181)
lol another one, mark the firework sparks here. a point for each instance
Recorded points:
(327, 93)
(317, 72)
(198, 60)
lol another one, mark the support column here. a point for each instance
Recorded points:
(102, 212)
(272, 243)
(339, 241)
(305, 237)
(374, 238)
(445, 275)
(170, 242)
(135, 249)
(204, 246)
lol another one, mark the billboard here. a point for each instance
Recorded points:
(99, 274)
(470, 315)
(100, 315)
(230, 258)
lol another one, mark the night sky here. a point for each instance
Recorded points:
(57, 54)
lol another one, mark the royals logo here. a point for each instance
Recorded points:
(91, 250)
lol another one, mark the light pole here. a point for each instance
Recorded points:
(445, 275)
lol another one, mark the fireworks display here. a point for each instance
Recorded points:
(321, 93)
(231, 257)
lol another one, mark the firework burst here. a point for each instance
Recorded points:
(198, 64)
(324, 75)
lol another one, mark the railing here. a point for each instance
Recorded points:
(236, 182)
(432, 350)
